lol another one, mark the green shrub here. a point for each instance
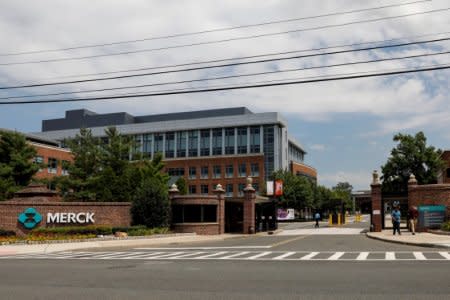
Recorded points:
(72, 230)
(127, 229)
(7, 233)
(446, 226)
(140, 230)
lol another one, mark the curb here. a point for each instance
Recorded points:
(428, 245)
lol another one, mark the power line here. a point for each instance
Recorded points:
(237, 87)
(223, 40)
(231, 76)
(224, 65)
(214, 30)
(252, 56)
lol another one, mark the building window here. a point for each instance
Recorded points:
(170, 144)
(181, 144)
(192, 172)
(269, 154)
(65, 167)
(229, 190)
(147, 145)
(229, 173)
(448, 173)
(217, 172)
(204, 189)
(217, 141)
(254, 170)
(242, 140)
(193, 143)
(192, 189)
(241, 188)
(39, 160)
(204, 142)
(242, 172)
(229, 140)
(159, 138)
(52, 165)
(194, 213)
(175, 172)
(255, 141)
(204, 172)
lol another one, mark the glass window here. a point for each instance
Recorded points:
(175, 171)
(242, 170)
(448, 173)
(269, 156)
(217, 172)
(204, 189)
(147, 145)
(229, 173)
(193, 143)
(39, 160)
(229, 190)
(192, 213)
(204, 172)
(254, 170)
(181, 144)
(242, 140)
(255, 141)
(192, 172)
(217, 141)
(177, 213)
(192, 189)
(159, 137)
(241, 188)
(52, 165)
(204, 142)
(64, 167)
(229, 140)
(170, 144)
(209, 213)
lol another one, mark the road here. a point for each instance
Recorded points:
(304, 263)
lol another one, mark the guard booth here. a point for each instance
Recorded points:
(337, 212)
(265, 214)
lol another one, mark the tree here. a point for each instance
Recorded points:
(151, 205)
(343, 191)
(16, 163)
(182, 185)
(297, 190)
(410, 156)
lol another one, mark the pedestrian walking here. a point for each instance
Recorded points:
(396, 216)
(413, 214)
(317, 218)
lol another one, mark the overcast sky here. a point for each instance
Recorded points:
(345, 126)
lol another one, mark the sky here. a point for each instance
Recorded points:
(346, 127)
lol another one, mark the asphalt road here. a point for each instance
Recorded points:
(112, 274)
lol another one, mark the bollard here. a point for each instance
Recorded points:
(330, 219)
(339, 219)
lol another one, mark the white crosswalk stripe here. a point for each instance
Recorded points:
(246, 255)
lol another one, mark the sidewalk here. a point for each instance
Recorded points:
(144, 242)
(422, 239)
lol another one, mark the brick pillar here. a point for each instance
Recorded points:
(376, 222)
(220, 192)
(249, 208)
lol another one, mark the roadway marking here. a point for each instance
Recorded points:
(336, 256)
(390, 256)
(419, 256)
(212, 255)
(362, 256)
(309, 256)
(259, 255)
(445, 255)
(288, 241)
(284, 255)
(188, 254)
(234, 255)
(207, 248)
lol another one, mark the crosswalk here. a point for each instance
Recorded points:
(245, 255)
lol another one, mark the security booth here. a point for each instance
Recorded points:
(265, 214)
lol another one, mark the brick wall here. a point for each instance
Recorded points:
(198, 228)
(47, 152)
(302, 169)
(429, 194)
(106, 213)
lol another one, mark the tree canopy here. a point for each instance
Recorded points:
(16, 163)
(412, 155)
(298, 191)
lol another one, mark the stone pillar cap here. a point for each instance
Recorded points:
(219, 189)
(249, 187)
(375, 179)
(173, 189)
(412, 179)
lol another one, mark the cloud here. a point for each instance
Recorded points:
(317, 147)
(360, 180)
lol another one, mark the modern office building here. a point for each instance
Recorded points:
(206, 147)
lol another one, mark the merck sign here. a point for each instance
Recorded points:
(30, 218)
(76, 218)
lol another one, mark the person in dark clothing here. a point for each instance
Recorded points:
(413, 214)
(317, 219)
(396, 216)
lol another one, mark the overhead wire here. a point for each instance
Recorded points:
(223, 65)
(223, 40)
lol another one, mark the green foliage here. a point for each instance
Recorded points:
(140, 230)
(298, 191)
(410, 156)
(72, 230)
(16, 163)
(182, 185)
(445, 226)
(7, 233)
(151, 205)
(342, 193)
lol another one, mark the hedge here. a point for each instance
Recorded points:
(446, 226)
(73, 230)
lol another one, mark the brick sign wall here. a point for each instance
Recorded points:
(429, 194)
(104, 213)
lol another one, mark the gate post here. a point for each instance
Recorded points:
(375, 221)
(249, 208)
(220, 192)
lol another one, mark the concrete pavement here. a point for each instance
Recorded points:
(422, 239)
